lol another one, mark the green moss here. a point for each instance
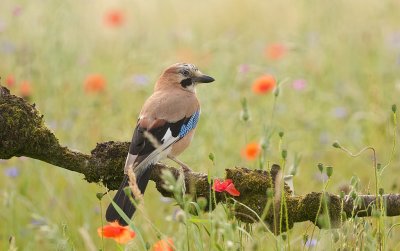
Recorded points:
(307, 206)
(107, 163)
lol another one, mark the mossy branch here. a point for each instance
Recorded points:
(23, 133)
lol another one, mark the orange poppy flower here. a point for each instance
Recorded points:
(275, 51)
(251, 151)
(164, 245)
(117, 232)
(25, 89)
(225, 186)
(264, 84)
(10, 81)
(114, 18)
(95, 83)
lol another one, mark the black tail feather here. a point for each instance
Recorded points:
(122, 200)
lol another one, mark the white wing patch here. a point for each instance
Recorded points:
(130, 160)
(168, 134)
(161, 152)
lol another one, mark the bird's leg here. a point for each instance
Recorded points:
(183, 165)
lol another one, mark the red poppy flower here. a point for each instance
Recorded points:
(114, 18)
(95, 83)
(10, 81)
(25, 89)
(225, 186)
(275, 51)
(251, 151)
(117, 232)
(264, 84)
(164, 245)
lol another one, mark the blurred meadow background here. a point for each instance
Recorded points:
(89, 66)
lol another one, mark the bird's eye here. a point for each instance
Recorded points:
(185, 73)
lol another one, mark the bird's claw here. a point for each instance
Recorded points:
(186, 169)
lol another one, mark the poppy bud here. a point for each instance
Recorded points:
(284, 154)
(336, 144)
(320, 167)
(244, 115)
(276, 91)
(329, 171)
(99, 195)
(211, 156)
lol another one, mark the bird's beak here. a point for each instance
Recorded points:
(202, 78)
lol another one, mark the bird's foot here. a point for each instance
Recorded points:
(185, 168)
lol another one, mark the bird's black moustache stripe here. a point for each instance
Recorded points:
(186, 82)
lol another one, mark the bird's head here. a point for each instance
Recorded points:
(182, 75)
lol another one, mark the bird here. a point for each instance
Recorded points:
(164, 129)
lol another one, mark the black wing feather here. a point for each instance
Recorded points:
(141, 145)
(124, 202)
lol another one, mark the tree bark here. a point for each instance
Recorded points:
(24, 133)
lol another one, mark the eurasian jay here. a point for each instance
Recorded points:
(164, 129)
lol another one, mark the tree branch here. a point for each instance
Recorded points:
(23, 133)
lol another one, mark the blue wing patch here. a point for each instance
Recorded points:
(190, 125)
